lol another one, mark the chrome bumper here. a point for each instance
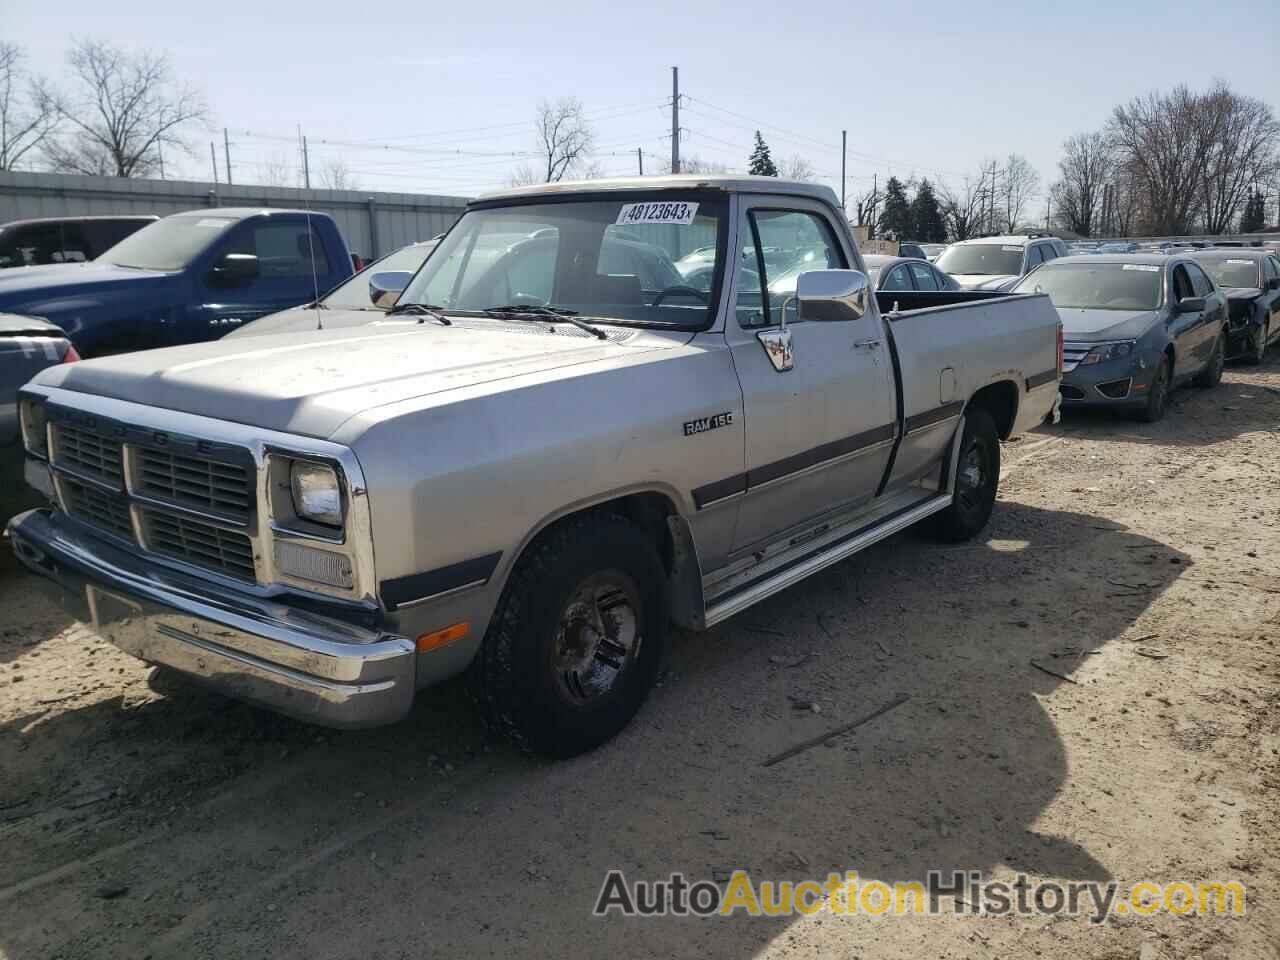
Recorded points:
(309, 666)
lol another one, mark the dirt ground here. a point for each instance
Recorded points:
(1137, 561)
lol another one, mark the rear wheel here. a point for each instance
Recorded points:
(577, 639)
(1258, 346)
(977, 480)
(1157, 394)
(1211, 375)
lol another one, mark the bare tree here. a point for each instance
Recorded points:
(27, 116)
(865, 205)
(564, 138)
(1166, 139)
(798, 168)
(1242, 154)
(277, 171)
(336, 175)
(1086, 165)
(1018, 184)
(695, 164)
(124, 105)
(965, 209)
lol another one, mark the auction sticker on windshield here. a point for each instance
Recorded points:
(1142, 267)
(667, 212)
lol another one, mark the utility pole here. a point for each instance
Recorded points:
(875, 202)
(640, 159)
(844, 147)
(160, 158)
(306, 165)
(213, 156)
(1048, 214)
(226, 146)
(675, 119)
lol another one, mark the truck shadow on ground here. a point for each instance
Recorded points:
(264, 836)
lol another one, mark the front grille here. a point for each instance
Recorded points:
(1070, 393)
(89, 454)
(222, 488)
(200, 543)
(107, 511)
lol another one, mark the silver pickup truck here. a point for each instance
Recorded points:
(567, 435)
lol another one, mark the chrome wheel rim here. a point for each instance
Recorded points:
(1260, 348)
(597, 638)
(1219, 359)
(1158, 388)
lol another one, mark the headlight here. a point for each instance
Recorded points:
(317, 495)
(1108, 351)
(34, 435)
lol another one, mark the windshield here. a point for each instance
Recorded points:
(990, 259)
(1097, 286)
(168, 244)
(612, 259)
(355, 294)
(1231, 271)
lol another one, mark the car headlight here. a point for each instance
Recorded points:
(1108, 351)
(317, 494)
(31, 415)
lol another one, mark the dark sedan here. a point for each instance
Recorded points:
(1251, 281)
(907, 274)
(27, 346)
(1135, 326)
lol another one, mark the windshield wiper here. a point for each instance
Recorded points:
(516, 310)
(423, 310)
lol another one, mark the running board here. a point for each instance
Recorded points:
(770, 584)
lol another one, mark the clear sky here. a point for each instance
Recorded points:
(926, 88)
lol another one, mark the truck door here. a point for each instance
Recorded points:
(818, 435)
(292, 267)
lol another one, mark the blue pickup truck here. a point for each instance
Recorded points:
(184, 279)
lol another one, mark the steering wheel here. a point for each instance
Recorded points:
(680, 290)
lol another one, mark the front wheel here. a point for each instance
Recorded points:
(1258, 346)
(577, 639)
(977, 480)
(1211, 375)
(1157, 394)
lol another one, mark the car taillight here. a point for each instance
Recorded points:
(1059, 351)
(70, 356)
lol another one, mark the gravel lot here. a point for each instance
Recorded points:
(140, 820)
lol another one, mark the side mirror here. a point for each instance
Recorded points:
(1273, 283)
(234, 268)
(832, 295)
(386, 286)
(1190, 304)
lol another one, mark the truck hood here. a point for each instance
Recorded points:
(1099, 325)
(311, 383)
(302, 319)
(982, 281)
(33, 284)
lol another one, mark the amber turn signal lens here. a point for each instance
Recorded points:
(440, 638)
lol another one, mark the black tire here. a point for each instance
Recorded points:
(1258, 348)
(1211, 375)
(1157, 394)
(521, 678)
(977, 480)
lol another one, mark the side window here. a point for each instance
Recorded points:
(1200, 283)
(1271, 268)
(898, 279)
(1048, 252)
(1034, 258)
(40, 244)
(75, 249)
(1181, 283)
(284, 250)
(794, 243)
(923, 274)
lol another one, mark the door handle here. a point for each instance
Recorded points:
(868, 344)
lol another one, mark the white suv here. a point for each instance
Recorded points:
(997, 263)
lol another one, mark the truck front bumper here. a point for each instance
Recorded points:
(310, 666)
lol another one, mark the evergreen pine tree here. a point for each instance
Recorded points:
(761, 163)
(927, 225)
(1253, 219)
(895, 220)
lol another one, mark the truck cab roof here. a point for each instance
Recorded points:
(728, 183)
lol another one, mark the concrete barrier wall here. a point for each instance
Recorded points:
(374, 224)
